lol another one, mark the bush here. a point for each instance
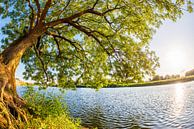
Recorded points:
(49, 111)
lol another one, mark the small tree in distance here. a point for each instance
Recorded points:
(77, 42)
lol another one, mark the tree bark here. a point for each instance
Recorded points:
(12, 107)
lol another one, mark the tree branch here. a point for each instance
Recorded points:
(95, 4)
(64, 38)
(90, 34)
(38, 42)
(95, 31)
(39, 9)
(45, 10)
(68, 2)
(42, 63)
(33, 15)
(60, 12)
(65, 20)
(58, 46)
(70, 18)
(79, 50)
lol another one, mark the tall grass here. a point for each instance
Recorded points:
(48, 111)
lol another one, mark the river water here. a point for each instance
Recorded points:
(168, 106)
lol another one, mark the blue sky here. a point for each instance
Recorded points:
(173, 43)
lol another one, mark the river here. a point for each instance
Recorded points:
(168, 106)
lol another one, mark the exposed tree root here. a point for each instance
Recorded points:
(12, 114)
(12, 108)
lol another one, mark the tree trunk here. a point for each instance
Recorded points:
(12, 107)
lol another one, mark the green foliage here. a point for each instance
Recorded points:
(112, 43)
(49, 111)
(52, 104)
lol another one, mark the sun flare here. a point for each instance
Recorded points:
(177, 60)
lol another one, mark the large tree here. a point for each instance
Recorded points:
(77, 42)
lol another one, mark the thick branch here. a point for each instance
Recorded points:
(12, 54)
(65, 20)
(77, 15)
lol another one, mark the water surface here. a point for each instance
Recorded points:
(169, 106)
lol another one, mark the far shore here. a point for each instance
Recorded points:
(154, 83)
(149, 83)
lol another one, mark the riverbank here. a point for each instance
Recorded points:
(153, 83)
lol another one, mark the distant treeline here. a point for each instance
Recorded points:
(174, 76)
(166, 77)
(189, 73)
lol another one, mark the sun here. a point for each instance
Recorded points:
(177, 59)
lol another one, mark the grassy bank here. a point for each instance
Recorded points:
(154, 83)
(48, 112)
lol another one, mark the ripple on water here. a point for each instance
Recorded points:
(169, 106)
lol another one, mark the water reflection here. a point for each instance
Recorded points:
(179, 99)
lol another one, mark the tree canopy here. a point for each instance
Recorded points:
(88, 42)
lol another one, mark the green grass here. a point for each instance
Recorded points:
(49, 112)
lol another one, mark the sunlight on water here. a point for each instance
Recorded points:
(179, 99)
